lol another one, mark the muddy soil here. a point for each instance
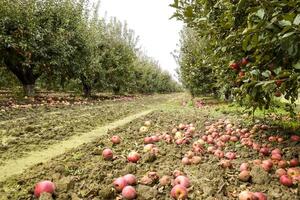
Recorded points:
(25, 130)
(83, 174)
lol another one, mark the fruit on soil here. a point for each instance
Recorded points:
(246, 195)
(115, 139)
(244, 176)
(286, 180)
(133, 157)
(107, 154)
(44, 186)
(129, 192)
(119, 184)
(182, 180)
(130, 179)
(179, 192)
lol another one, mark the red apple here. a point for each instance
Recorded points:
(107, 154)
(44, 186)
(295, 138)
(133, 157)
(129, 192)
(279, 172)
(165, 180)
(260, 195)
(244, 166)
(264, 151)
(115, 139)
(182, 180)
(230, 155)
(218, 153)
(244, 176)
(148, 140)
(130, 179)
(276, 156)
(286, 180)
(282, 164)
(246, 195)
(119, 184)
(179, 192)
(294, 162)
(185, 161)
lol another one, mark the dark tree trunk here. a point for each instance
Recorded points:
(87, 90)
(116, 90)
(29, 90)
(25, 74)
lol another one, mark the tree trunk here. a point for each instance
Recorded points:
(29, 90)
(87, 90)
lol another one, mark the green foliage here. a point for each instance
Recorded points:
(195, 73)
(258, 39)
(62, 43)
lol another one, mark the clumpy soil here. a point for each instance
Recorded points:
(83, 174)
(26, 129)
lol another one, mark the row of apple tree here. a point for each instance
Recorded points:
(64, 44)
(245, 50)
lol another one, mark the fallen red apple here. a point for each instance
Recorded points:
(185, 161)
(107, 154)
(260, 195)
(133, 157)
(115, 139)
(119, 184)
(44, 186)
(129, 192)
(165, 180)
(244, 166)
(246, 195)
(130, 179)
(280, 172)
(244, 176)
(226, 163)
(264, 151)
(295, 138)
(179, 192)
(177, 173)
(294, 162)
(148, 140)
(218, 153)
(276, 151)
(282, 164)
(230, 155)
(286, 180)
(182, 180)
(276, 156)
(196, 159)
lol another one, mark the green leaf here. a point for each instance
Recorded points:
(266, 73)
(188, 12)
(254, 72)
(297, 65)
(260, 13)
(288, 34)
(297, 20)
(285, 23)
(277, 70)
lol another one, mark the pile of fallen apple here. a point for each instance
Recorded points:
(217, 135)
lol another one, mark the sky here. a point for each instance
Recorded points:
(158, 35)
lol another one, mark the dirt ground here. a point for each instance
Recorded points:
(82, 173)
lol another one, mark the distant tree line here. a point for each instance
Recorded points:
(65, 45)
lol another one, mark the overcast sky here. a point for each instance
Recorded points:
(150, 21)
